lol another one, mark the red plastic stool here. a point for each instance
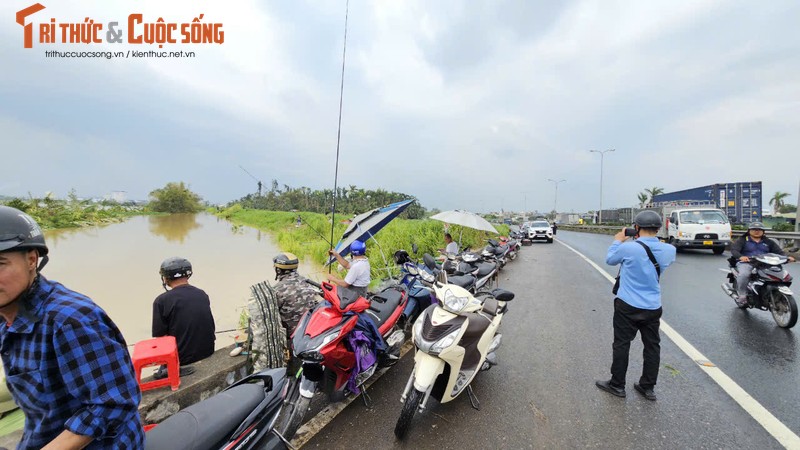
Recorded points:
(157, 351)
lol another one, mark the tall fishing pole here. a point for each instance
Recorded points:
(339, 130)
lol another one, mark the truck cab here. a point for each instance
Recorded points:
(696, 227)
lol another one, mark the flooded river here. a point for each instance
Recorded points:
(117, 266)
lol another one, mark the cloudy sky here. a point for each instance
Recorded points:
(463, 104)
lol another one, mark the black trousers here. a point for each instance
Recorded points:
(627, 321)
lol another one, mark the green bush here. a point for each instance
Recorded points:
(784, 226)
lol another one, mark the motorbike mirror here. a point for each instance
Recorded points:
(411, 268)
(414, 248)
(430, 263)
(503, 295)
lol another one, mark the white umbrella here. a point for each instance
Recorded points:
(465, 219)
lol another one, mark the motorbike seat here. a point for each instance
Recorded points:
(485, 269)
(209, 421)
(490, 306)
(383, 304)
(464, 281)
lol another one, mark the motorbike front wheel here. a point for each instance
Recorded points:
(294, 411)
(783, 308)
(409, 409)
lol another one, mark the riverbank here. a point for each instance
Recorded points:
(73, 213)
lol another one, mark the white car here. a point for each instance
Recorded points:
(540, 230)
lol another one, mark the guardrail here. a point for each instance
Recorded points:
(785, 238)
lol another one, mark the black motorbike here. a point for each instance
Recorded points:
(768, 288)
(240, 417)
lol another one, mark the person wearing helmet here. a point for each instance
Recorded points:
(358, 270)
(750, 244)
(294, 296)
(183, 311)
(67, 365)
(637, 306)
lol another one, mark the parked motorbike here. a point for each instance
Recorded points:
(499, 251)
(768, 288)
(455, 339)
(513, 245)
(470, 270)
(240, 417)
(324, 355)
(419, 295)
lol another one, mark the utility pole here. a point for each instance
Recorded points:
(555, 202)
(600, 212)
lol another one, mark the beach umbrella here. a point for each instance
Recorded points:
(465, 219)
(366, 225)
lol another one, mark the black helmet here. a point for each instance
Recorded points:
(285, 261)
(648, 219)
(401, 257)
(176, 267)
(756, 226)
(19, 231)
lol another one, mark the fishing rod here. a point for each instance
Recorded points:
(339, 130)
(315, 230)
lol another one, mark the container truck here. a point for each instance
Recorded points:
(740, 201)
(694, 225)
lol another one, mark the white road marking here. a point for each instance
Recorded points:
(770, 423)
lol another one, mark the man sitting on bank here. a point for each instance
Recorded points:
(183, 311)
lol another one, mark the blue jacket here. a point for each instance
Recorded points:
(638, 283)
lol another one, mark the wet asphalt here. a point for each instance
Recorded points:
(557, 341)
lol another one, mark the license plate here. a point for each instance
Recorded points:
(708, 242)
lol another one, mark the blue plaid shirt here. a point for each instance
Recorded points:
(68, 367)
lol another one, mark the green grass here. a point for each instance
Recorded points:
(305, 241)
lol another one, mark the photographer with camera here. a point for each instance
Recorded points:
(637, 306)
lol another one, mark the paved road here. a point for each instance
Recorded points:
(557, 341)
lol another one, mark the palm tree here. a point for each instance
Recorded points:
(642, 199)
(777, 201)
(653, 191)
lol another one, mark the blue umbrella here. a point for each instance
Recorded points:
(365, 225)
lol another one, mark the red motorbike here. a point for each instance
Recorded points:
(323, 348)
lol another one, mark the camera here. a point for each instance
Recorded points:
(630, 232)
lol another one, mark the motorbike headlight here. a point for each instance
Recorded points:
(327, 340)
(454, 303)
(444, 342)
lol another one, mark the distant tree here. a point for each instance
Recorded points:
(642, 199)
(653, 191)
(175, 198)
(777, 201)
(787, 208)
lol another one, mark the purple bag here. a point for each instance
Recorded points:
(365, 357)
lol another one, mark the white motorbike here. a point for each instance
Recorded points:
(455, 339)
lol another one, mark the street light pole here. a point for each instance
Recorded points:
(602, 153)
(555, 202)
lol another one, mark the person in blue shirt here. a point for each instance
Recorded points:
(637, 307)
(749, 245)
(66, 362)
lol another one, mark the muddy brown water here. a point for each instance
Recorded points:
(117, 266)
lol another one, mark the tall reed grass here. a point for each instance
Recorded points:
(310, 239)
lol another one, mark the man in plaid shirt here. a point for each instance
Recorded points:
(66, 362)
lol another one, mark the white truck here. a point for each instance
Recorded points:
(694, 225)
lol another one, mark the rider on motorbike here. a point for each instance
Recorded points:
(752, 243)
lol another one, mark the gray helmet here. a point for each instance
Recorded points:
(756, 226)
(19, 231)
(648, 219)
(176, 267)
